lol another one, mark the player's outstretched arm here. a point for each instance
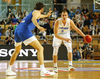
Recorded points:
(76, 29)
(48, 14)
(36, 15)
(56, 33)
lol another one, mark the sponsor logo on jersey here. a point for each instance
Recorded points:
(63, 27)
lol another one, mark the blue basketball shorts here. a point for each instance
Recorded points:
(23, 35)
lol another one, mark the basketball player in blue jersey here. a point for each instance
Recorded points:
(62, 33)
(23, 34)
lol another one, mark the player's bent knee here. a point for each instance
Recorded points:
(69, 49)
(40, 48)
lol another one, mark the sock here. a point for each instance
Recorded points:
(55, 64)
(10, 67)
(42, 67)
(70, 63)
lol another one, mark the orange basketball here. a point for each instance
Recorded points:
(87, 38)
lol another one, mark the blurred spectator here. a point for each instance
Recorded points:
(44, 42)
(8, 40)
(19, 20)
(41, 22)
(85, 11)
(21, 17)
(16, 26)
(47, 26)
(8, 19)
(79, 25)
(78, 9)
(42, 36)
(9, 32)
(51, 15)
(17, 16)
(71, 14)
(9, 12)
(77, 16)
(19, 12)
(87, 21)
(0, 29)
(91, 15)
(9, 7)
(98, 19)
(84, 48)
(82, 16)
(89, 51)
(54, 15)
(76, 54)
(95, 21)
(65, 8)
(81, 21)
(10, 27)
(54, 1)
(74, 19)
(14, 20)
(25, 13)
(98, 30)
(12, 14)
(80, 50)
(92, 28)
(73, 9)
(56, 12)
(88, 31)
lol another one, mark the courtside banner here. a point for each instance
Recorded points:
(29, 53)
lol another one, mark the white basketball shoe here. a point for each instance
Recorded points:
(55, 69)
(45, 72)
(9, 72)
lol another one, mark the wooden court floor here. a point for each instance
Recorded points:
(30, 70)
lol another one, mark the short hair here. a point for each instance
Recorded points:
(64, 11)
(39, 6)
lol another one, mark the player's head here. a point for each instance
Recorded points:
(64, 15)
(39, 6)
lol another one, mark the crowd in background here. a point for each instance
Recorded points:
(83, 19)
(84, 51)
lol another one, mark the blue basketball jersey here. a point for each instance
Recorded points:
(27, 22)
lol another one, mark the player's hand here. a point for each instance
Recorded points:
(68, 40)
(41, 29)
(49, 13)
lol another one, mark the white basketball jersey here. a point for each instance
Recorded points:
(64, 29)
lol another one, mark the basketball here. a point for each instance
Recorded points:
(87, 38)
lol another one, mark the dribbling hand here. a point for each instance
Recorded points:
(68, 40)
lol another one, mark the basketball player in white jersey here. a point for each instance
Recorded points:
(62, 33)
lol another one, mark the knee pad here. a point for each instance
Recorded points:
(55, 50)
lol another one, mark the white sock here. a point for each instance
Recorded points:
(70, 63)
(10, 67)
(42, 67)
(55, 64)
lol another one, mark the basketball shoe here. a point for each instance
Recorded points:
(45, 72)
(9, 72)
(55, 69)
(71, 68)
